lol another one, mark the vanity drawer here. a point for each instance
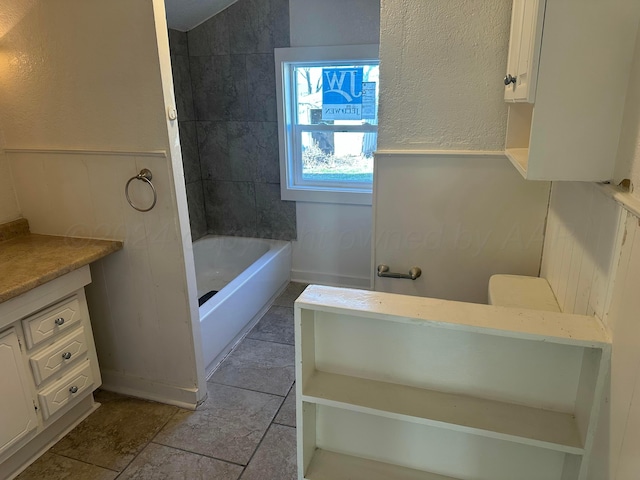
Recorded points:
(58, 356)
(43, 326)
(65, 390)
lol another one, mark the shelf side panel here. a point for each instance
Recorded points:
(306, 433)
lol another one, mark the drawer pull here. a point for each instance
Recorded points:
(59, 321)
(73, 389)
(66, 355)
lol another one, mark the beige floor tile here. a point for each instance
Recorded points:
(228, 426)
(256, 365)
(157, 462)
(287, 413)
(276, 456)
(54, 467)
(113, 435)
(290, 294)
(275, 326)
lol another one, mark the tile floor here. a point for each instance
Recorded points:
(244, 431)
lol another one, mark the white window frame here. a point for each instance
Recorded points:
(289, 188)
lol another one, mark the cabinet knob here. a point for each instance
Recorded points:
(66, 355)
(73, 389)
(59, 321)
(509, 79)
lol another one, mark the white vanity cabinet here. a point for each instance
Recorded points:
(17, 415)
(48, 368)
(566, 81)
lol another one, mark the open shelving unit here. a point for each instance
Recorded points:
(391, 386)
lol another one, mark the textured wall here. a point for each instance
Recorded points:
(442, 65)
(54, 102)
(233, 80)
(334, 22)
(188, 137)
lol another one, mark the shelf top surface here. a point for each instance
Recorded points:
(495, 419)
(537, 325)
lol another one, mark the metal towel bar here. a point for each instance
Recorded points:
(414, 272)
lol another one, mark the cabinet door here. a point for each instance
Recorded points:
(524, 49)
(17, 415)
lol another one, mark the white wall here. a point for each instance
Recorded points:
(628, 161)
(440, 172)
(8, 203)
(442, 65)
(334, 241)
(89, 85)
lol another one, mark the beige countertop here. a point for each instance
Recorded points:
(28, 260)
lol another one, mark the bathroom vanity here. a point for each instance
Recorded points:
(48, 363)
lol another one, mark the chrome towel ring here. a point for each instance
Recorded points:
(146, 176)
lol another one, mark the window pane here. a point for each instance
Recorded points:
(338, 157)
(308, 97)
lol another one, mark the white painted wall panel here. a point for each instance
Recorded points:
(617, 441)
(9, 209)
(580, 254)
(460, 219)
(333, 245)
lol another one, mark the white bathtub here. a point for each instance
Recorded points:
(248, 274)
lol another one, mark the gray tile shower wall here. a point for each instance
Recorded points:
(188, 135)
(234, 105)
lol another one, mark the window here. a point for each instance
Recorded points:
(328, 122)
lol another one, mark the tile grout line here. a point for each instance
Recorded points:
(149, 442)
(248, 389)
(78, 460)
(282, 405)
(230, 462)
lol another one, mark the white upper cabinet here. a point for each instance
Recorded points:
(527, 17)
(566, 81)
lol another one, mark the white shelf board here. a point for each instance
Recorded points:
(500, 420)
(519, 158)
(525, 324)
(327, 465)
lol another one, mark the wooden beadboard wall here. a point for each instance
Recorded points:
(582, 245)
(592, 261)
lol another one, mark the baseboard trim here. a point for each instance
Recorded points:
(124, 384)
(329, 279)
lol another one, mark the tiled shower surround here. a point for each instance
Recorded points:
(224, 76)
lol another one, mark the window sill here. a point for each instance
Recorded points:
(329, 195)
